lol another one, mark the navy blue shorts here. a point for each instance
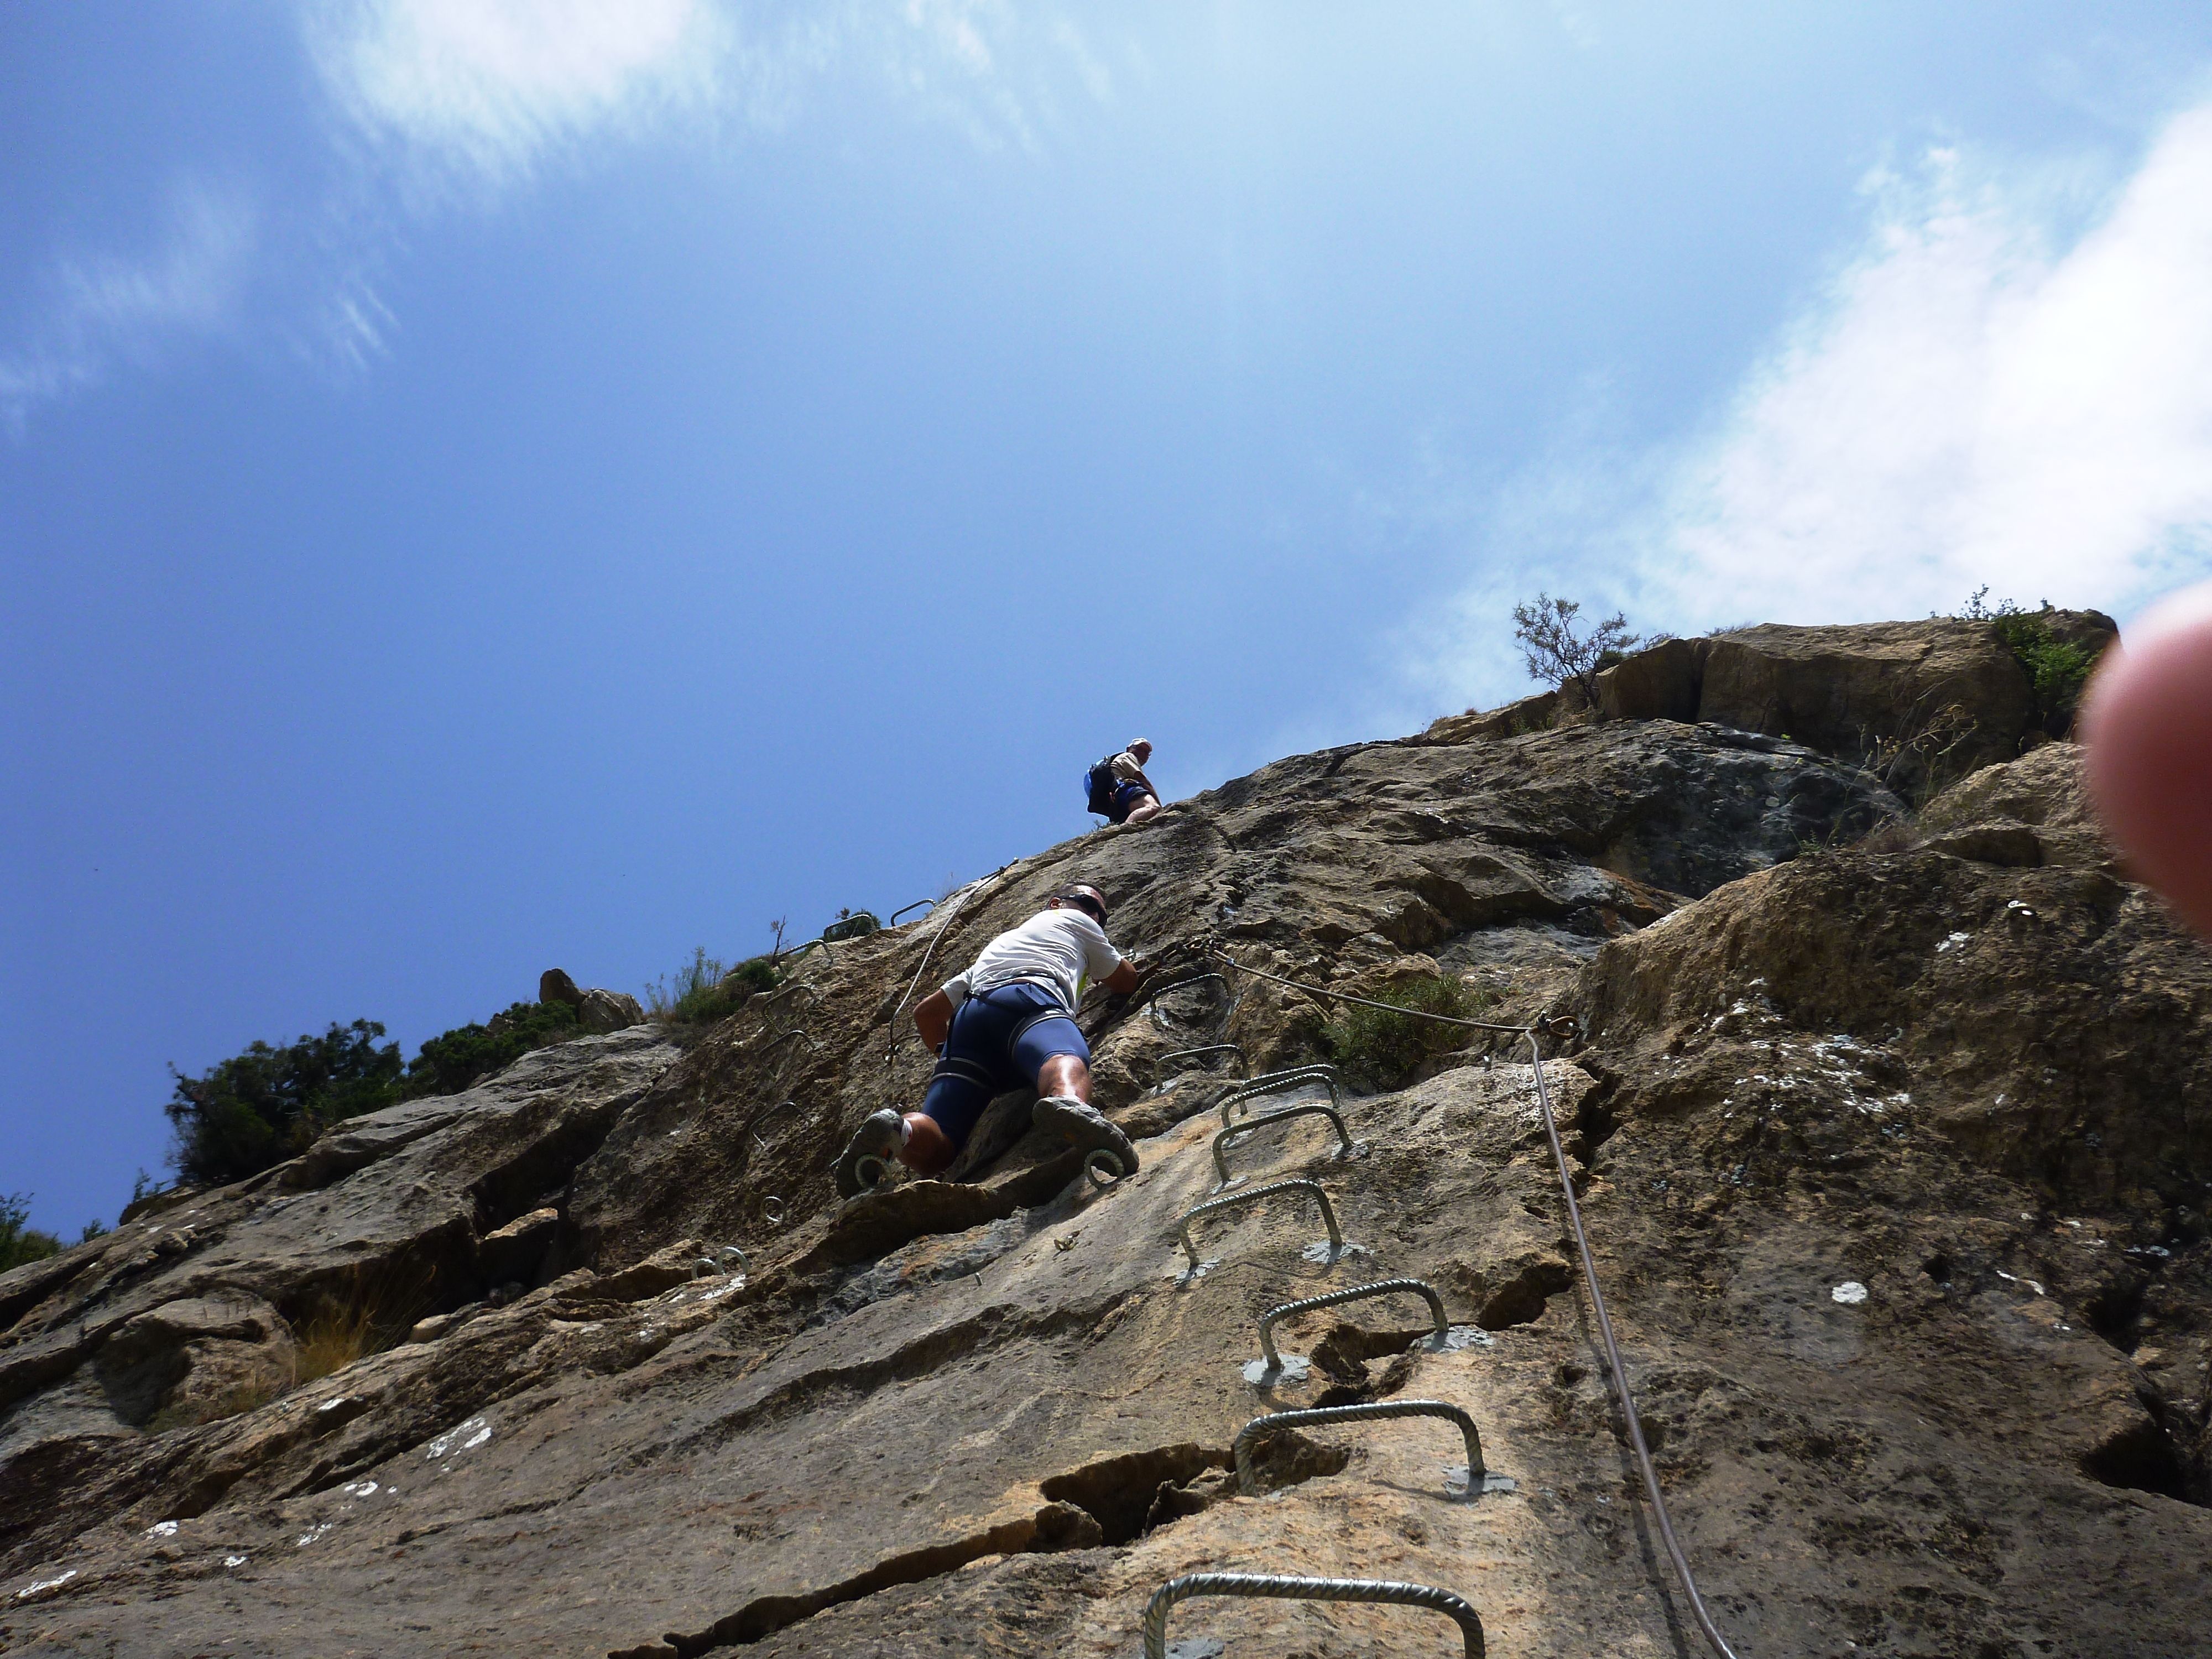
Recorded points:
(1126, 798)
(999, 1041)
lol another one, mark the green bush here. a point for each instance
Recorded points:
(454, 1060)
(703, 990)
(2056, 669)
(262, 1107)
(1383, 1049)
(19, 1242)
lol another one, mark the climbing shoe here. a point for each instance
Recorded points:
(1084, 1127)
(878, 1137)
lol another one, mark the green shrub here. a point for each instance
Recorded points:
(19, 1242)
(263, 1106)
(2056, 668)
(703, 990)
(1384, 1048)
(454, 1060)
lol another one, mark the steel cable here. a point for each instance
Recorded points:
(1615, 1369)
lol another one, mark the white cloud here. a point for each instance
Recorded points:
(101, 310)
(486, 87)
(1997, 387)
(1976, 399)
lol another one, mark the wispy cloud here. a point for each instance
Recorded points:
(1975, 402)
(487, 91)
(101, 311)
(1995, 387)
(487, 88)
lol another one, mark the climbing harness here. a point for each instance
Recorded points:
(1616, 1370)
(1304, 1589)
(1355, 1293)
(1374, 1410)
(1236, 1201)
(1236, 1132)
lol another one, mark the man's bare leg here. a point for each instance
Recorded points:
(1065, 1075)
(1144, 811)
(926, 1148)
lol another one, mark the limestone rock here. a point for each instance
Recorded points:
(609, 1010)
(1922, 700)
(1889, 1137)
(597, 1010)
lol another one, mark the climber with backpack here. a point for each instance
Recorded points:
(1007, 1022)
(1117, 789)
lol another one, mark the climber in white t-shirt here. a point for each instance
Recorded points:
(1008, 1022)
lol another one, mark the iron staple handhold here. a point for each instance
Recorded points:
(916, 905)
(1235, 1200)
(1159, 1063)
(1278, 1587)
(1160, 991)
(1356, 1293)
(1277, 1083)
(1374, 1410)
(762, 1116)
(1309, 1108)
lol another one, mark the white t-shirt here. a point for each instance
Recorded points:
(1062, 949)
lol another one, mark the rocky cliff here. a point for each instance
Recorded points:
(1892, 1129)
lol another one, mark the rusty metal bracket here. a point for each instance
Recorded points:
(1236, 1201)
(1334, 1298)
(1276, 1587)
(1234, 1132)
(1374, 1411)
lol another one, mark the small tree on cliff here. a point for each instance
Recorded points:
(1558, 655)
(261, 1107)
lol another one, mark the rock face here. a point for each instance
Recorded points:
(1918, 700)
(598, 1011)
(1894, 1137)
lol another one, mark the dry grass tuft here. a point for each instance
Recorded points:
(371, 1312)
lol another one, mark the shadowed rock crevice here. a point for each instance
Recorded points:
(2143, 1458)
(1107, 1503)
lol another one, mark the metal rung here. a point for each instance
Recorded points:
(1153, 997)
(1374, 1411)
(1279, 1083)
(796, 985)
(1276, 1586)
(916, 905)
(1333, 1298)
(1237, 1200)
(762, 1116)
(1159, 1063)
(1350, 1148)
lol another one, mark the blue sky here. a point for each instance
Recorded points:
(487, 485)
